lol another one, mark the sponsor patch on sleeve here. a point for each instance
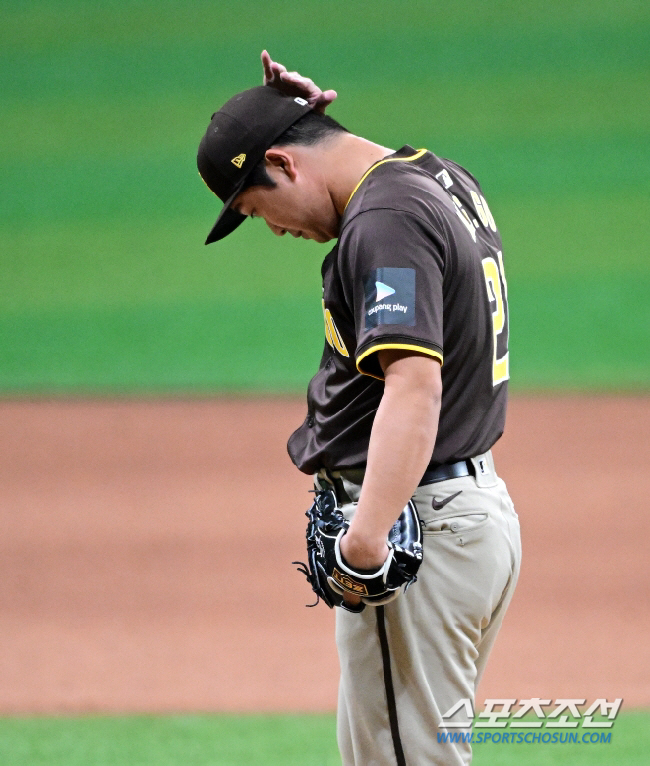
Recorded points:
(390, 297)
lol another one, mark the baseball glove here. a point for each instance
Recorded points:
(329, 575)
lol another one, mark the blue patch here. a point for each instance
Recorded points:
(390, 297)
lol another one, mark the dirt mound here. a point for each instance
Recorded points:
(146, 549)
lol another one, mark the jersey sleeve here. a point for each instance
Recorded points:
(395, 266)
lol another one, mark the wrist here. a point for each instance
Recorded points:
(363, 551)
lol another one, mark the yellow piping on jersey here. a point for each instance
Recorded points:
(416, 156)
(404, 346)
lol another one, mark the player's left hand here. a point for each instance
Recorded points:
(294, 84)
(387, 568)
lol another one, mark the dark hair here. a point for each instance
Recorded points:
(311, 129)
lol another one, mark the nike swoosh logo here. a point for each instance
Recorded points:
(438, 504)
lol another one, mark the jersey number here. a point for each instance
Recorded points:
(497, 290)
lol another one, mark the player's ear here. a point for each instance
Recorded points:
(281, 162)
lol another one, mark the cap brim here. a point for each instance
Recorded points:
(228, 219)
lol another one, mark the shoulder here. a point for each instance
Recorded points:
(462, 173)
(402, 185)
(394, 185)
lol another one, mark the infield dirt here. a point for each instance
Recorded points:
(146, 547)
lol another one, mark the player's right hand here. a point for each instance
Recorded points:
(294, 84)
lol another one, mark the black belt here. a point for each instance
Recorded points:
(440, 473)
(447, 471)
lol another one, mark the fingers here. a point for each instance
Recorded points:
(266, 65)
(324, 100)
(303, 85)
(317, 98)
(297, 79)
(272, 69)
(293, 83)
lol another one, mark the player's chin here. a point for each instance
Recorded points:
(319, 237)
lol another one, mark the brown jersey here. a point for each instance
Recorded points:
(418, 266)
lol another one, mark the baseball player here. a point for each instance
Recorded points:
(408, 400)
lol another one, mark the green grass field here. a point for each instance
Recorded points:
(279, 740)
(106, 285)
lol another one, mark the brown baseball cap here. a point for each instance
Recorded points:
(236, 139)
